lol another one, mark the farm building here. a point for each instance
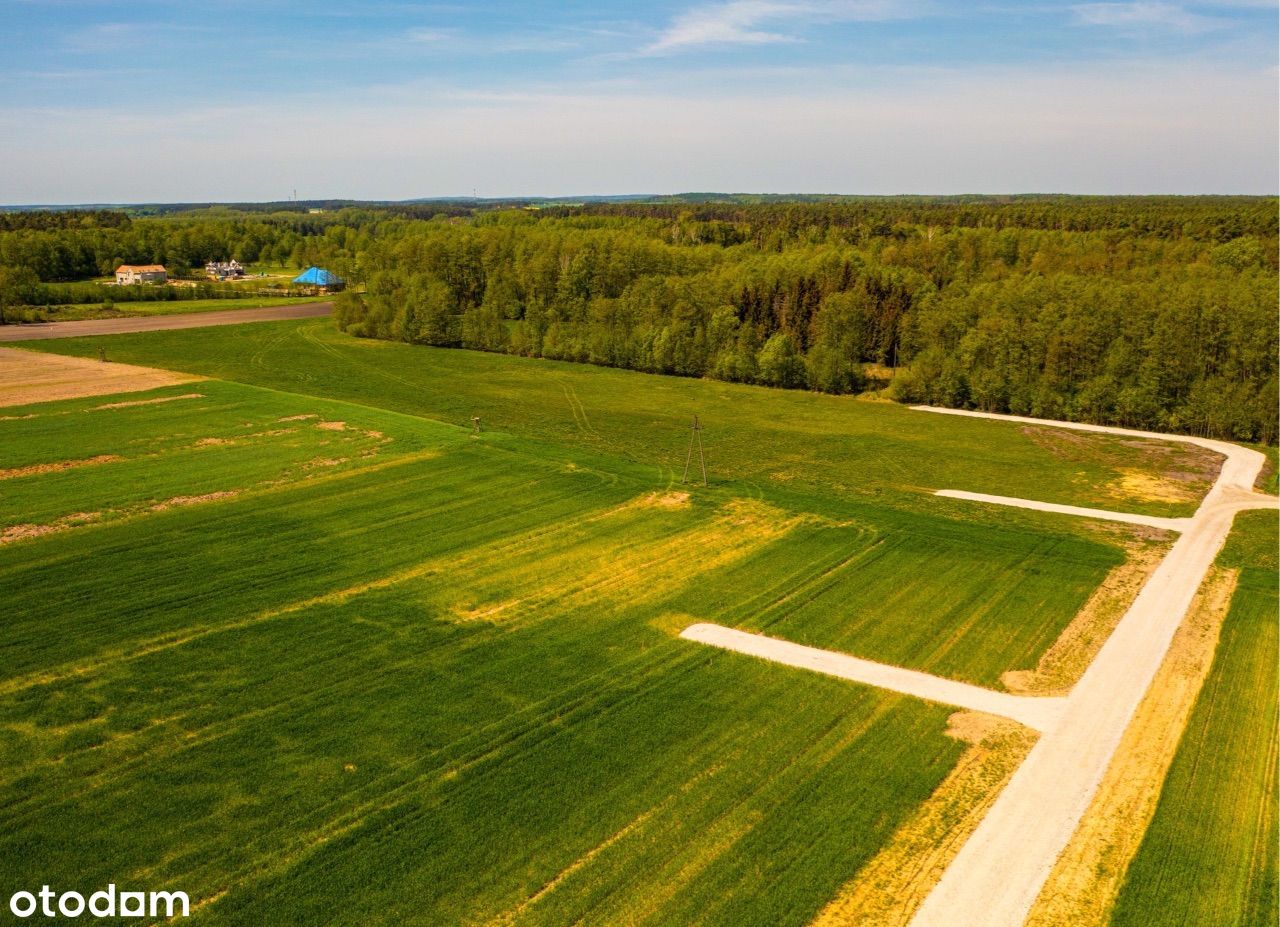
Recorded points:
(323, 280)
(224, 270)
(127, 274)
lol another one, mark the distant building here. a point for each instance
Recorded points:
(224, 270)
(322, 280)
(127, 274)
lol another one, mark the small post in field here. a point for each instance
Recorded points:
(695, 435)
(475, 424)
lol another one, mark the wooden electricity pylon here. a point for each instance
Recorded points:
(695, 435)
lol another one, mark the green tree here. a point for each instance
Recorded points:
(780, 363)
(17, 286)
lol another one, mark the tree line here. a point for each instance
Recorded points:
(1135, 322)
(1147, 312)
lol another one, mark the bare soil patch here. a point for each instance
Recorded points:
(22, 532)
(30, 376)
(36, 469)
(194, 500)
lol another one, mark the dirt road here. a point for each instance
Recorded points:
(998, 873)
(155, 323)
(1036, 712)
(1151, 521)
(1000, 870)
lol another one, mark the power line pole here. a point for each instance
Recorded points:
(695, 435)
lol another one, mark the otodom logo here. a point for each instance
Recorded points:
(105, 903)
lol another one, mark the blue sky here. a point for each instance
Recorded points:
(249, 100)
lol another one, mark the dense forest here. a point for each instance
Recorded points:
(1148, 312)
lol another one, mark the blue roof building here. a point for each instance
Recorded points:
(318, 276)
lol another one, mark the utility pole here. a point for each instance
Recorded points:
(695, 435)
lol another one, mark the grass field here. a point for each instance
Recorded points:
(312, 659)
(392, 673)
(1209, 856)
(838, 447)
(120, 310)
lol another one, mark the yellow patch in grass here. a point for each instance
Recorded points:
(1068, 657)
(887, 891)
(623, 571)
(668, 500)
(1139, 484)
(22, 532)
(672, 623)
(147, 402)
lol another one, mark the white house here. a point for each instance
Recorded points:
(222, 270)
(140, 273)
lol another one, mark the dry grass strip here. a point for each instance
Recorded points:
(887, 891)
(1064, 662)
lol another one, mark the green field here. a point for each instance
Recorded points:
(73, 313)
(399, 673)
(760, 439)
(1209, 856)
(306, 648)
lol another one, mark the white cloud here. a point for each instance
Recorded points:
(1142, 14)
(757, 22)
